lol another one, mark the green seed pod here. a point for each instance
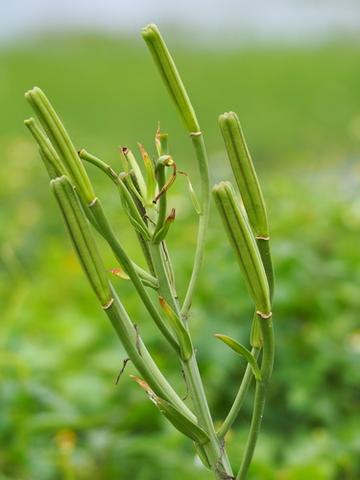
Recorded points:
(178, 420)
(170, 76)
(61, 141)
(244, 173)
(244, 245)
(48, 152)
(82, 239)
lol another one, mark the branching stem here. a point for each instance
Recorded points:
(216, 456)
(260, 394)
(239, 399)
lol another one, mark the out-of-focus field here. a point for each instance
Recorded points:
(61, 414)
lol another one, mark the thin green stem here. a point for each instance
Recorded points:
(239, 399)
(91, 262)
(140, 356)
(201, 155)
(265, 254)
(260, 394)
(214, 451)
(128, 266)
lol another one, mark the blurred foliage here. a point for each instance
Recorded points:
(61, 414)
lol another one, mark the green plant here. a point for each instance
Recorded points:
(144, 196)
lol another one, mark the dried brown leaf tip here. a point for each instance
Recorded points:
(146, 387)
(119, 272)
(144, 153)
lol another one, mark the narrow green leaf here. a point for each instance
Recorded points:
(150, 175)
(132, 210)
(186, 348)
(182, 423)
(244, 173)
(244, 245)
(134, 167)
(178, 420)
(170, 75)
(243, 351)
(139, 227)
(193, 196)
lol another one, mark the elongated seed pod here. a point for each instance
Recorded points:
(244, 173)
(61, 141)
(170, 76)
(49, 166)
(82, 239)
(46, 147)
(244, 245)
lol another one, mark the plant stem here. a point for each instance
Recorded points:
(109, 171)
(201, 155)
(239, 399)
(265, 254)
(122, 257)
(217, 457)
(140, 356)
(260, 394)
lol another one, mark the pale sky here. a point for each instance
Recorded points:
(292, 20)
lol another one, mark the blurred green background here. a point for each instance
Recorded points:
(61, 414)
